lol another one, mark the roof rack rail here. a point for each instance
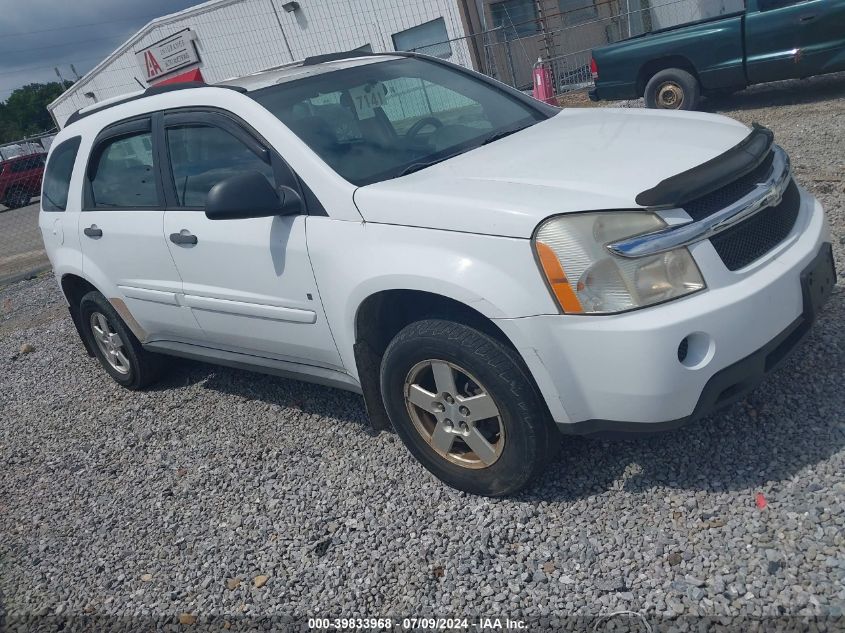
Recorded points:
(149, 92)
(330, 57)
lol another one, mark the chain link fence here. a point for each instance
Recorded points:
(21, 171)
(563, 40)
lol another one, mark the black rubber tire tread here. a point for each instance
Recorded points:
(531, 437)
(17, 198)
(145, 367)
(688, 83)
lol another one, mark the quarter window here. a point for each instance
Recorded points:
(124, 175)
(57, 176)
(203, 155)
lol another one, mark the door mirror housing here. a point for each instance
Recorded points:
(250, 195)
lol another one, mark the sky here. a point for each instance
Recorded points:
(37, 35)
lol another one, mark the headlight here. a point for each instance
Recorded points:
(586, 278)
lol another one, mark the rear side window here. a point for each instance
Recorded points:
(57, 176)
(123, 176)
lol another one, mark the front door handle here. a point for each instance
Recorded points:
(808, 18)
(183, 238)
(93, 231)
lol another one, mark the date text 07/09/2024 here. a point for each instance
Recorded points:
(424, 624)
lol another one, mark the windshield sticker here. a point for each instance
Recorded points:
(367, 98)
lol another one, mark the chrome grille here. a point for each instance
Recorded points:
(751, 239)
(707, 205)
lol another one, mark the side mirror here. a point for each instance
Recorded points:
(250, 195)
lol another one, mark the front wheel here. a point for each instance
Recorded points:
(672, 89)
(464, 405)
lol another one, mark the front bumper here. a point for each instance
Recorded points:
(623, 373)
(735, 381)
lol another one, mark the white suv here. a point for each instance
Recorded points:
(485, 269)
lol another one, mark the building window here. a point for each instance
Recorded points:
(516, 18)
(577, 11)
(429, 38)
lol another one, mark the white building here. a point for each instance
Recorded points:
(230, 38)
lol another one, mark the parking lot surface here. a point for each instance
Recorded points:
(232, 495)
(21, 246)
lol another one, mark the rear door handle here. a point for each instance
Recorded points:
(93, 231)
(808, 18)
(183, 238)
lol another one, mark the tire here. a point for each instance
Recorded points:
(672, 89)
(17, 199)
(519, 441)
(133, 367)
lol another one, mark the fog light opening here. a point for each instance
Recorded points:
(683, 349)
(696, 350)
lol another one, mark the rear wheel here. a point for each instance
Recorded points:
(464, 405)
(17, 198)
(117, 349)
(672, 89)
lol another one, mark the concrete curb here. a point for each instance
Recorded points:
(33, 272)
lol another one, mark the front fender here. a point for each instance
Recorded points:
(496, 276)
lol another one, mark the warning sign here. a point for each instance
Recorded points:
(165, 56)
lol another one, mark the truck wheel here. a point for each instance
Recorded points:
(117, 349)
(464, 405)
(672, 89)
(17, 199)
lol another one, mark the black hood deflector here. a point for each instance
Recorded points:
(714, 174)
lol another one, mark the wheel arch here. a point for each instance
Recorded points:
(74, 287)
(382, 314)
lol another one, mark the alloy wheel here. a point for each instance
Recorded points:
(454, 414)
(109, 343)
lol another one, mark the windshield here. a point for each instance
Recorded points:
(388, 118)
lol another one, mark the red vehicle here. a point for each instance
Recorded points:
(20, 179)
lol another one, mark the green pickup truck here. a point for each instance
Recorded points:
(769, 41)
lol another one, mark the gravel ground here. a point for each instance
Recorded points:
(230, 495)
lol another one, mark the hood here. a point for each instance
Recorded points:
(579, 160)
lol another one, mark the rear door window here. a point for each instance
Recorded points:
(123, 175)
(57, 177)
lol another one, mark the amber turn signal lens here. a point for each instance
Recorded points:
(563, 292)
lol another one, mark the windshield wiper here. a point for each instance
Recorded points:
(410, 169)
(499, 135)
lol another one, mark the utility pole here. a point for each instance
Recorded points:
(59, 75)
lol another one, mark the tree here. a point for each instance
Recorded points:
(25, 111)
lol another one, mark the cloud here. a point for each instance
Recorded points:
(41, 34)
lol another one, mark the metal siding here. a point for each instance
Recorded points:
(242, 37)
